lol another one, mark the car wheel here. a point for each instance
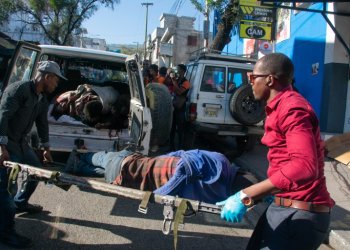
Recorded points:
(160, 103)
(244, 108)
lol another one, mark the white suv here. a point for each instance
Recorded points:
(148, 123)
(221, 100)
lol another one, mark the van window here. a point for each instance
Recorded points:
(23, 67)
(213, 79)
(236, 78)
(190, 77)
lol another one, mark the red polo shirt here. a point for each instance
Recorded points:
(296, 151)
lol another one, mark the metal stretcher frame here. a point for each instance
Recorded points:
(175, 208)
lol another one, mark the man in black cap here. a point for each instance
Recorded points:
(22, 104)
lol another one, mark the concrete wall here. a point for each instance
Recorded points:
(174, 30)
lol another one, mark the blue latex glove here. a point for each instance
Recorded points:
(233, 209)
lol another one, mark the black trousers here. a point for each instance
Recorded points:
(289, 228)
(178, 127)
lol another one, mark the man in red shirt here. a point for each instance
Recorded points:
(299, 216)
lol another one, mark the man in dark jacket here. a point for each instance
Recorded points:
(22, 104)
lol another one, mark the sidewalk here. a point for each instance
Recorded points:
(338, 184)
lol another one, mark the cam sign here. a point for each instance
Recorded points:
(256, 30)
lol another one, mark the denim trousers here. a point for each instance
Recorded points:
(86, 167)
(23, 153)
(101, 164)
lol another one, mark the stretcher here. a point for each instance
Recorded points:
(174, 211)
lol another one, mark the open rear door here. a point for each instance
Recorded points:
(22, 66)
(140, 122)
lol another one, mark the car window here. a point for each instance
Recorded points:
(90, 71)
(213, 79)
(23, 67)
(237, 78)
(193, 74)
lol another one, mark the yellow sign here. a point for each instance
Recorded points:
(249, 2)
(254, 3)
(255, 30)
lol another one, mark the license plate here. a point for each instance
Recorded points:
(211, 112)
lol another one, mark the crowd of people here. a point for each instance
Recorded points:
(295, 187)
(179, 88)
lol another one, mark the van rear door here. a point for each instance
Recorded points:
(140, 122)
(22, 66)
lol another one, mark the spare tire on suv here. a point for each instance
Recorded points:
(244, 108)
(160, 103)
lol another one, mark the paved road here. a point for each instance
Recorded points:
(81, 219)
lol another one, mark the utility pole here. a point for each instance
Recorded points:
(146, 4)
(137, 47)
(206, 25)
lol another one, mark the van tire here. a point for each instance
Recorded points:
(160, 103)
(244, 108)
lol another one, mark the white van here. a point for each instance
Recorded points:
(221, 101)
(98, 69)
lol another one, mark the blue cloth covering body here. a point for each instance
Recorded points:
(200, 175)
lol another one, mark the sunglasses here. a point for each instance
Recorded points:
(252, 77)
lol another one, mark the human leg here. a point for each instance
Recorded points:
(180, 127)
(8, 234)
(173, 133)
(26, 186)
(7, 206)
(81, 164)
(290, 228)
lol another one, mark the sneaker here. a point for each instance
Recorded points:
(29, 208)
(72, 162)
(15, 240)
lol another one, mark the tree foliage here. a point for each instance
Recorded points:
(229, 13)
(7, 7)
(59, 19)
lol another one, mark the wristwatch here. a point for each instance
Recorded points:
(246, 200)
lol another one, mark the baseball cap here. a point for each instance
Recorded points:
(50, 67)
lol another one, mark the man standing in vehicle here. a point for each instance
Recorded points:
(299, 215)
(181, 87)
(22, 104)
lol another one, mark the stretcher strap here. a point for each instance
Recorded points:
(179, 218)
(13, 178)
(144, 203)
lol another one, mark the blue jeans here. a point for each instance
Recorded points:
(7, 206)
(85, 166)
(23, 153)
(101, 164)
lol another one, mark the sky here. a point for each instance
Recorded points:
(126, 24)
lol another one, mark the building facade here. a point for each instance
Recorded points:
(321, 60)
(174, 41)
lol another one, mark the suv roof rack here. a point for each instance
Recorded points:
(210, 54)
